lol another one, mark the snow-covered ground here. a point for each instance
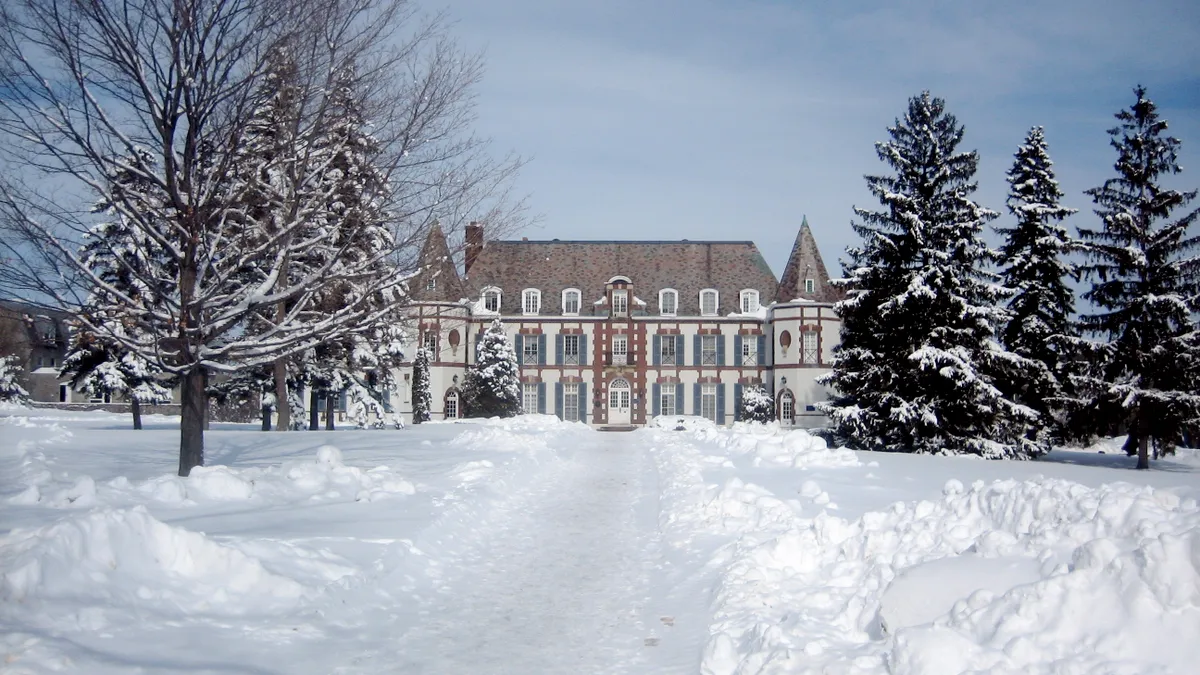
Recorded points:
(534, 546)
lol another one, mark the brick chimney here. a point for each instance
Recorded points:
(474, 245)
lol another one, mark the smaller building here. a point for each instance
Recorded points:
(40, 338)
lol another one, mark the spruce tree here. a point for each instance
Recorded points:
(757, 405)
(100, 369)
(421, 398)
(11, 390)
(1146, 288)
(493, 387)
(1034, 266)
(918, 364)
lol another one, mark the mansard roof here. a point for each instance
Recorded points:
(686, 266)
(437, 265)
(805, 263)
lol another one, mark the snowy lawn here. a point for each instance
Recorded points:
(534, 546)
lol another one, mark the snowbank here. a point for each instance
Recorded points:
(128, 558)
(765, 444)
(1112, 578)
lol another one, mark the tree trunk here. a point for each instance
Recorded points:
(191, 427)
(329, 411)
(313, 398)
(136, 407)
(207, 404)
(283, 404)
(1143, 452)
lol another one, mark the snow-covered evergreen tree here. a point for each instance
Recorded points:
(106, 369)
(11, 390)
(1146, 285)
(919, 360)
(493, 386)
(757, 405)
(1035, 267)
(422, 400)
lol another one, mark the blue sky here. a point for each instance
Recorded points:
(727, 119)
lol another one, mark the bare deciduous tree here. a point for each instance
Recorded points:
(164, 90)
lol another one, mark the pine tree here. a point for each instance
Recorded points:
(11, 390)
(492, 387)
(1034, 266)
(757, 405)
(102, 369)
(421, 398)
(918, 363)
(1146, 285)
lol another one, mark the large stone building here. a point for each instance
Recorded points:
(613, 333)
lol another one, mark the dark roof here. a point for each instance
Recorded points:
(686, 266)
(805, 263)
(437, 265)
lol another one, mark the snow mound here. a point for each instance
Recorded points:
(682, 423)
(1114, 578)
(521, 434)
(772, 446)
(127, 557)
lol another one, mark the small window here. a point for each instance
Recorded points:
(529, 351)
(708, 350)
(708, 303)
(570, 351)
(429, 341)
(750, 350)
(431, 285)
(810, 286)
(668, 302)
(749, 301)
(491, 300)
(620, 303)
(570, 301)
(620, 350)
(529, 398)
(668, 356)
(531, 301)
(570, 409)
(667, 403)
(810, 347)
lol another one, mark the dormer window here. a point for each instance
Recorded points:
(570, 301)
(531, 302)
(749, 303)
(810, 286)
(431, 285)
(668, 302)
(491, 299)
(708, 302)
(620, 303)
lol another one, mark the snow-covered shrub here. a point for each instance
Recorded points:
(757, 405)
(11, 390)
(492, 387)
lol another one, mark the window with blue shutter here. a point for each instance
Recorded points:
(558, 349)
(656, 396)
(762, 350)
(696, 341)
(720, 350)
(519, 348)
(541, 339)
(679, 359)
(696, 399)
(656, 347)
(558, 399)
(585, 400)
(583, 351)
(679, 399)
(541, 406)
(737, 402)
(737, 350)
(720, 404)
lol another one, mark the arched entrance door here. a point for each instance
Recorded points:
(787, 408)
(451, 405)
(619, 401)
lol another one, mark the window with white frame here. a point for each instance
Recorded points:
(491, 299)
(667, 351)
(529, 398)
(431, 284)
(620, 350)
(668, 302)
(570, 350)
(570, 301)
(810, 285)
(429, 341)
(620, 303)
(787, 407)
(529, 350)
(708, 302)
(749, 350)
(708, 350)
(570, 402)
(810, 351)
(708, 401)
(452, 405)
(667, 401)
(531, 301)
(749, 301)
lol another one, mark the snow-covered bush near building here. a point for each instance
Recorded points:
(11, 390)
(757, 405)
